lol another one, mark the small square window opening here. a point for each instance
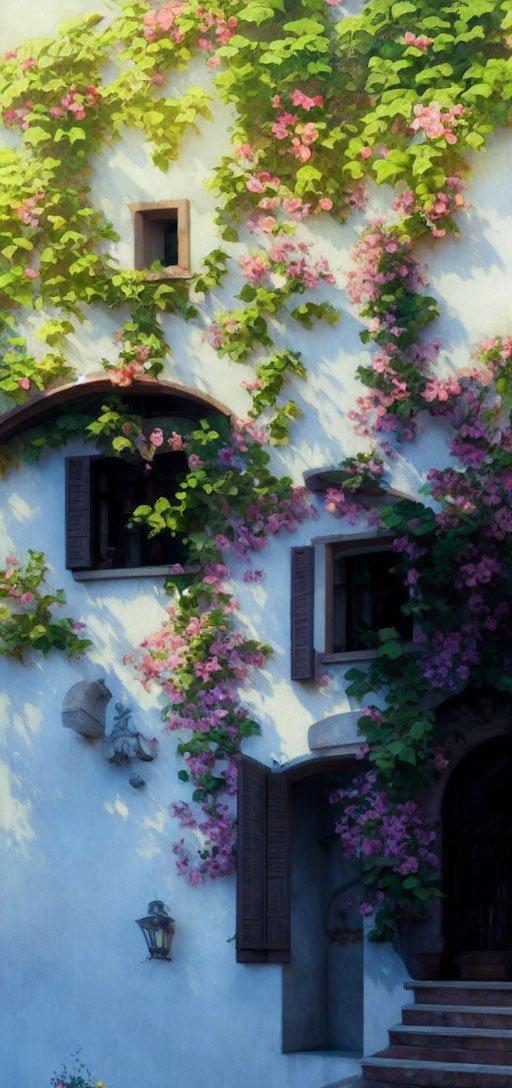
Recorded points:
(161, 239)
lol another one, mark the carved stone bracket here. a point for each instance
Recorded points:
(124, 743)
(84, 708)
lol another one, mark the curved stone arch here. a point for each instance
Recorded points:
(476, 718)
(178, 397)
(470, 735)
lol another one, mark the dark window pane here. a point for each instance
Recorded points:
(367, 596)
(170, 232)
(118, 488)
(160, 240)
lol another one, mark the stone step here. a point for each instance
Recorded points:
(464, 1016)
(382, 1072)
(497, 1044)
(459, 1055)
(461, 993)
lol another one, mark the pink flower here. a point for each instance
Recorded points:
(309, 133)
(364, 908)
(24, 383)
(31, 273)
(365, 152)
(266, 223)
(253, 384)
(254, 186)
(27, 64)
(301, 99)
(268, 203)
(194, 461)
(175, 441)
(325, 203)
(244, 151)
(77, 626)
(422, 42)
(254, 267)
(11, 561)
(176, 569)
(292, 205)
(158, 79)
(301, 151)
(156, 437)
(27, 597)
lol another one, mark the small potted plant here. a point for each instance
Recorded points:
(76, 1077)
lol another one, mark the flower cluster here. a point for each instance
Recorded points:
(28, 211)
(435, 123)
(162, 22)
(436, 213)
(274, 275)
(216, 30)
(174, 22)
(373, 826)
(77, 102)
(385, 281)
(419, 42)
(18, 116)
(199, 661)
(344, 505)
(286, 264)
(450, 656)
(26, 614)
(287, 126)
(141, 354)
(360, 475)
(380, 258)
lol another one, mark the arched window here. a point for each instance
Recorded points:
(103, 490)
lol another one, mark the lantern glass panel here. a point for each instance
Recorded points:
(158, 930)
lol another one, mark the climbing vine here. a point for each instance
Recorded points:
(27, 612)
(325, 105)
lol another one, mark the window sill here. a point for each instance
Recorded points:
(173, 272)
(350, 656)
(127, 572)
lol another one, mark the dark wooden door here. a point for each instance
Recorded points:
(478, 851)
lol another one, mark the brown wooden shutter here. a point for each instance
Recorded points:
(302, 605)
(263, 896)
(78, 513)
(278, 869)
(252, 792)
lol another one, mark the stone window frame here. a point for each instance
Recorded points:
(355, 544)
(160, 210)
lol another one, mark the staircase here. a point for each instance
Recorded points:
(455, 1035)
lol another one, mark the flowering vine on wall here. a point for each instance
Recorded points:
(396, 95)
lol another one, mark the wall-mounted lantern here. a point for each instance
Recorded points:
(158, 929)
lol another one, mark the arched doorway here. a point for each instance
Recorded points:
(477, 863)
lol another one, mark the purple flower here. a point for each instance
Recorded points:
(226, 455)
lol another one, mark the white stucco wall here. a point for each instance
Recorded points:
(82, 852)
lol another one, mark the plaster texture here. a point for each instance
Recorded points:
(82, 852)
